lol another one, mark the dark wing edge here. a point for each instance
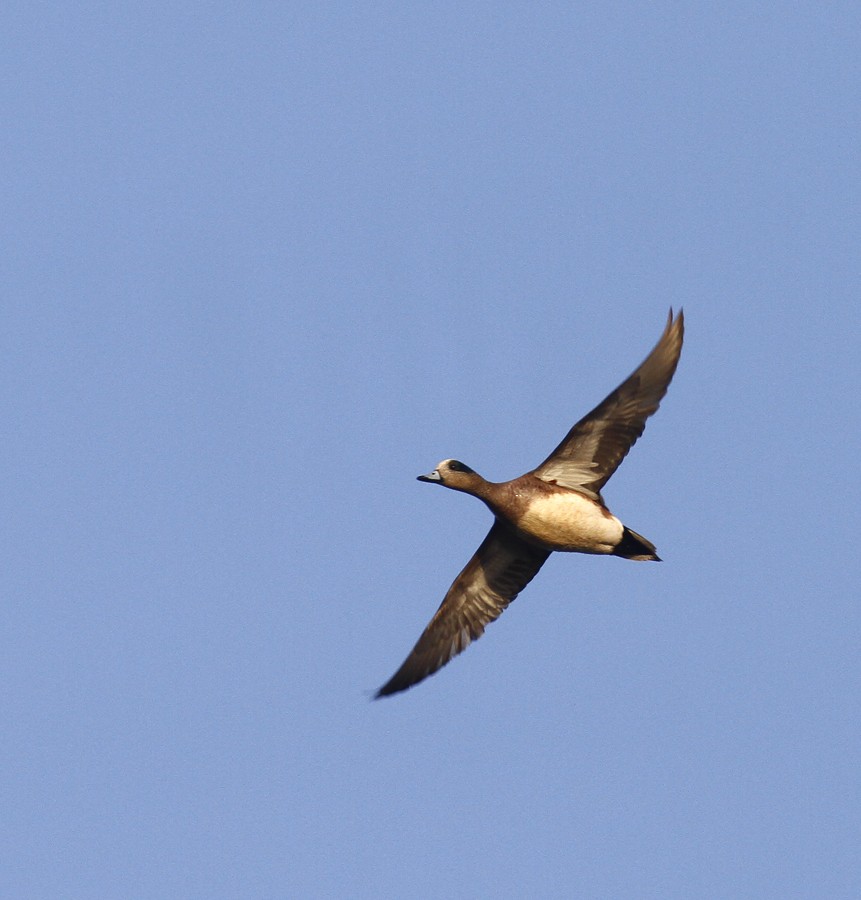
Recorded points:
(593, 449)
(501, 567)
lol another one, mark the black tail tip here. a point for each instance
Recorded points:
(635, 546)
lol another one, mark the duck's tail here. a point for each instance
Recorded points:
(635, 546)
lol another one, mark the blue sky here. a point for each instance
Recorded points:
(262, 265)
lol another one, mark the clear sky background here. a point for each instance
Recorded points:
(262, 264)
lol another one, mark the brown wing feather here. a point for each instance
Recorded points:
(593, 449)
(501, 567)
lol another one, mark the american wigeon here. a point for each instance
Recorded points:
(557, 506)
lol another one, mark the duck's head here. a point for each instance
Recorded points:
(452, 473)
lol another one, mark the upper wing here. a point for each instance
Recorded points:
(501, 567)
(592, 450)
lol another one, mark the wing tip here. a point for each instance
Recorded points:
(678, 320)
(397, 684)
(387, 690)
(674, 334)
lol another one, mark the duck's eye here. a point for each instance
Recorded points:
(457, 466)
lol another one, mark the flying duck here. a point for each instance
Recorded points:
(557, 506)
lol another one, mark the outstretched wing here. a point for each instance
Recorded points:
(501, 567)
(592, 450)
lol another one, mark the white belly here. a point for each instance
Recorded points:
(570, 521)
